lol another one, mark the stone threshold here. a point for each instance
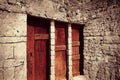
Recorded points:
(80, 77)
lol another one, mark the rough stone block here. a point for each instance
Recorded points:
(70, 69)
(9, 40)
(70, 62)
(70, 57)
(1, 63)
(81, 77)
(1, 74)
(52, 29)
(52, 58)
(69, 46)
(52, 35)
(69, 41)
(69, 52)
(9, 73)
(52, 41)
(111, 39)
(20, 50)
(52, 53)
(13, 24)
(19, 62)
(9, 63)
(6, 51)
(52, 77)
(69, 34)
(20, 73)
(52, 48)
(3, 1)
(12, 1)
(70, 30)
(52, 62)
(52, 70)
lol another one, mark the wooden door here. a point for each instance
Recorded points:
(60, 52)
(75, 51)
(37, 49)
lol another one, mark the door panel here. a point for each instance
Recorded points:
(60, 52)
(75, 51)
(60, 70)
(40, 60)
(30, 52)
(37, 49)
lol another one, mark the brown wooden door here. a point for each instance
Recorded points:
(75, 51)
(60, 52)
(37, 49)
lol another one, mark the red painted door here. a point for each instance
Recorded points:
(37, 49)
(60, 52)
(76, 51)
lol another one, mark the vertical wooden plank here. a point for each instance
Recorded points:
(75, 51)
(41, 52)
(30, 52)
(60, 65)
(60, 55)
(40, 60)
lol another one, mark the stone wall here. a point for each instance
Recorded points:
(12, 46)
(101, 34)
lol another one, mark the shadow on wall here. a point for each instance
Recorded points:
(81, 50)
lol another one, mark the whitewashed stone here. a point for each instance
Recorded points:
(81, 77)
(69, 52)
(69, 46)
(9, 63)
(70, 62)
(52, 57)
(52, 62)
(9, 73)
(52, 48)
(52, 35)
(6, 51)
(52, 77)
(52, 41)
(52, 29)
(52, 70)
(52, 53)
(20, 50)
(20, 73)
(69, 41)
(13, 24)
(10, 40)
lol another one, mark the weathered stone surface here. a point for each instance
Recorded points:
(1, 74)
(111, 39)
(9, 63)
(20, 72)
(11, 40)
(9, 73)
(20, 50)
(1, 63)
(79, 78)
(6, 51)
(12, 24)
(101, 34)
(13, 62)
